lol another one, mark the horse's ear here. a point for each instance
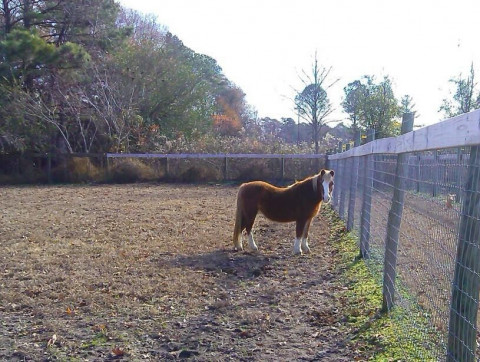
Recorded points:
(332, 173)
(322, 173)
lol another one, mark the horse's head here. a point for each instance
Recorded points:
(325, 184)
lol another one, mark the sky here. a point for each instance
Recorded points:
(267, 46)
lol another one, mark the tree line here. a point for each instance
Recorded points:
(91, 76)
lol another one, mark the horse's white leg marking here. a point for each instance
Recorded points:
(296, 246)
(239, 243)
(251, 242)
(305, 247)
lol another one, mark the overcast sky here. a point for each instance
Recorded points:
(263, 46)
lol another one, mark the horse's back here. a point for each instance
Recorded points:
(276, 203)
(259, 191)
(258, 186)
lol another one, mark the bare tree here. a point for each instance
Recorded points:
(35, 109)
(312, 102)
(114, 111)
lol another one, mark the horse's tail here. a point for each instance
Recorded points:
(237, 230)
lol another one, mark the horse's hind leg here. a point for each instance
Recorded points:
(237, 241)
(238, 228)
(248, 226)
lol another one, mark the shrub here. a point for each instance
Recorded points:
(21, 169)
(199, 174)
(255, 169)
(131, 170)
(81, 169)
(29, 176)
(252, 173)
(76, 170)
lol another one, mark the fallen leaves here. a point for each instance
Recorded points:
(99, 328)
(52, 341)
(118, 352)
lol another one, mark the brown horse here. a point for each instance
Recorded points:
(299, 202)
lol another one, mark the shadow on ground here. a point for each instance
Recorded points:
(242, 265)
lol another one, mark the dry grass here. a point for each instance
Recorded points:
(147, 272)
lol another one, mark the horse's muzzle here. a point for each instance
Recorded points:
(327, 199)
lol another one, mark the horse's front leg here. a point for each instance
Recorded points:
(305, 247)
(298, 245)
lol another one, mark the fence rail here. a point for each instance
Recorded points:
(215, 155)
(414, 202)
(460, 131)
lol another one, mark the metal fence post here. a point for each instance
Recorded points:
(340, 194)
(434, 169)
(367, 199)
(466, 282)
(334, 164)
(458, 178)
(394, 221)
(167, 168)
(419, 174)
(106, 172)
(225, 169)
(343, 187)
(353, 186)
(49, 167)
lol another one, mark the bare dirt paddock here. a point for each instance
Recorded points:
(147, 272)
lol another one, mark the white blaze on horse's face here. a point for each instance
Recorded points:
(326, 180)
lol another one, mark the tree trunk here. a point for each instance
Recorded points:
(27, 8)
(7, 16)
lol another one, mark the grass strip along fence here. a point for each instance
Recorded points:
(380, 336)
(414, 203)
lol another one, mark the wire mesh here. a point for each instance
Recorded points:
(434, 189)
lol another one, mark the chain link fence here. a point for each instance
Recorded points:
(416, 215)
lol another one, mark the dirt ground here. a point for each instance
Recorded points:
(148, 272)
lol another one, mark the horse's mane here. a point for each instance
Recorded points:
(303, 181)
